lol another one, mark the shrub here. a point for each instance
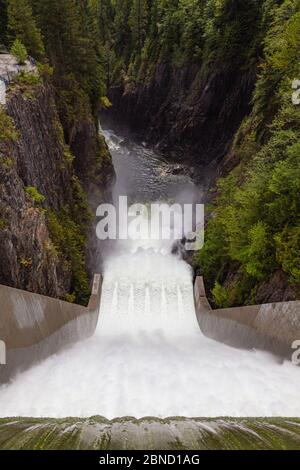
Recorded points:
(25, 262)
(69, 242)
(34, 194)
(105, 103)
(221, 296)
(7, 128)
(288, 251)
(27, 78)
(19, 51)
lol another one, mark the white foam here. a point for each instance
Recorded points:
(148, 357)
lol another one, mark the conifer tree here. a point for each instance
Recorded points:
(105, 18)
(22, 26)
(122, 29)
(3, 21)
(139, 23)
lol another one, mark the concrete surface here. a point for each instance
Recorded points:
(269, 327)
(33, 326)
(98, 433)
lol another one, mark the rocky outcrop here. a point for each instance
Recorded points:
(93, 161)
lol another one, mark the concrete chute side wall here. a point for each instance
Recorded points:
(33, 326)
(270, 327)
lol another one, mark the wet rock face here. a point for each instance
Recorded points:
(93, 161)
(27, 255)
(35, 159)
(38, 158)
(40, 153)
(183, 110)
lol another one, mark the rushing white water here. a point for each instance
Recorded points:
(149, 358)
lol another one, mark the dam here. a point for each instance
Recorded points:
(148, 356)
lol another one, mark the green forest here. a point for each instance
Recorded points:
(86, 47)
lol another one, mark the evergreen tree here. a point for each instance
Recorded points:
(72, 40)
(122, 29)
(3, 21)
(22, 26)
(139, 23)
(105, 18)
(19, 51)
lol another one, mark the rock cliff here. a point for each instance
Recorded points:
(44, 213)
(186, 113)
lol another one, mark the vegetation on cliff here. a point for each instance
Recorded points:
(139, 34)
(63, 38)
(256, 217)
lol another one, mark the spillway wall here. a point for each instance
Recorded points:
(33, 327)
(270, 327)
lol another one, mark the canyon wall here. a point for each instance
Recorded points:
(45, 218)
(185, 112)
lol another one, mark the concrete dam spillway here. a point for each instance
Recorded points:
(148, 356)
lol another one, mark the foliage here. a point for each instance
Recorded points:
(22, 26)
(3, 224)
(27, 79)
(37, 197)
(71, 298)
(7, 128)
(19, 51)
(257, 211)
(139, 34)
(3, 22)
(25, 262)
(105, 102)
(288, 251)
(221, 296)
(69, 241)
(71, 37)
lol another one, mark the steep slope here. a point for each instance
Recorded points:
(252, 245)
(45, 217)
